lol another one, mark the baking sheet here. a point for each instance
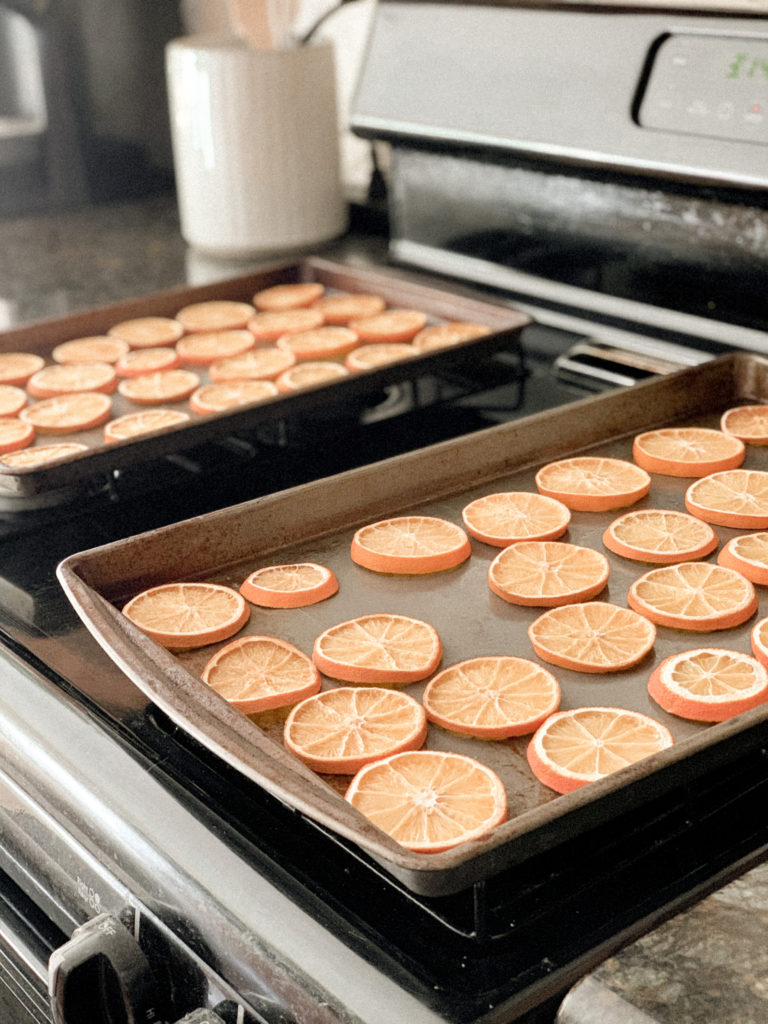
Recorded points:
(316, 522)
(349, 392)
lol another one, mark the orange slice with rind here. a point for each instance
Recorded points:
(310, 373)
(379, 648)
(592, 636)
(747, 553)
(747, 422)
(69, 378)
(341, 307)
(339, 731)
(267, 327)
(68, 414)
(261, 673)
(12, 399)
(687, 451)
(38, 456)
(410, 545)
(697, 596)
(505, 517)
(95, 348)
(205, 347)
(389, 325)
(547, 573)
(133, 424)
(215, 315)
(492, 697)
(660, 536)
(161, 386)
(15, 434)
(430, 800)
(17, 367)
(292, 295)
(734, 497)
(709, 684)
(592, 483)
(184, 615)
(148, 331)
(290, 585)
(455, 332)
(230, 394)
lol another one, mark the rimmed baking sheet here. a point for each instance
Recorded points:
(316, 521)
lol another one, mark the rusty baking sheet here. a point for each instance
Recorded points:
(348, 393)
(316, 522)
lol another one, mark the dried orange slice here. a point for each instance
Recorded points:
(257, 364)
(96, 348)
(143, 422)
(310, 374)
(378, 648)
(391, 325)
(687, 451)
(138, 361)
(186, 615)
(205, 347)
(69, 378)
(747, 554)
(693, 595)
(410, 545)
(573, 748)
(747, 422)
(17, 367)
(709, 684)
(259, 673)
(446, 335)
(492, 698)
(29, 457)
(67, 414)
(505, 517)
(290, 586)
(341, 307)
(735, 497)
(210, 398)
(430, 800)
(148, 331)
(12, 399)
(661, 536)
(268, 327)
(288, 296)
(339, 731)
(547, 573)
(162, 386)
(15, 434)
(758, 636)
(215, 315)
(369, 357)
(319, 343)
(593, 484)
(593, 636)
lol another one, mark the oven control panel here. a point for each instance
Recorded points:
(709, 86)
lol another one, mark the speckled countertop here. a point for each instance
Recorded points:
(708, 965)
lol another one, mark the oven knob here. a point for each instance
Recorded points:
(101, 974)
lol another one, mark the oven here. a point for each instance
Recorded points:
(144, 876)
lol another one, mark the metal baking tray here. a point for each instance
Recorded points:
(351, 392)
(316, 521)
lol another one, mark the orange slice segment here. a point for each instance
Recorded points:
(758, 636)
(573, 748)
(369, 357)
(342, 307)
(162, 386)
(505, 517)
(268, 327)
(735, 497)
(446, 335)
(391, 325)
(17, 367)
(148, 331)
(709, 684)
(143, 422)
(747, 554)
(410, 545)
(215, 315)
(593, 636)
(259, 673)
(147, 360)
(94, 349)
(14, 434)
(210, 398)
(339, 731)
(661, 536)
(378, 648)
(206, 347)
(697, 596)
(309, 374)
(687, 451)
(12, 399)
(547, 573)
(492, 698)
(592, 484)
(187, 615)
(747, 422)
(290, 586)
(30, 457)
(257, 364)
(288, 296)
(430, 800)
(320, 343)
(68, 414)
(68, 378)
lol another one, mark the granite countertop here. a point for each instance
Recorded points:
(707, 965)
